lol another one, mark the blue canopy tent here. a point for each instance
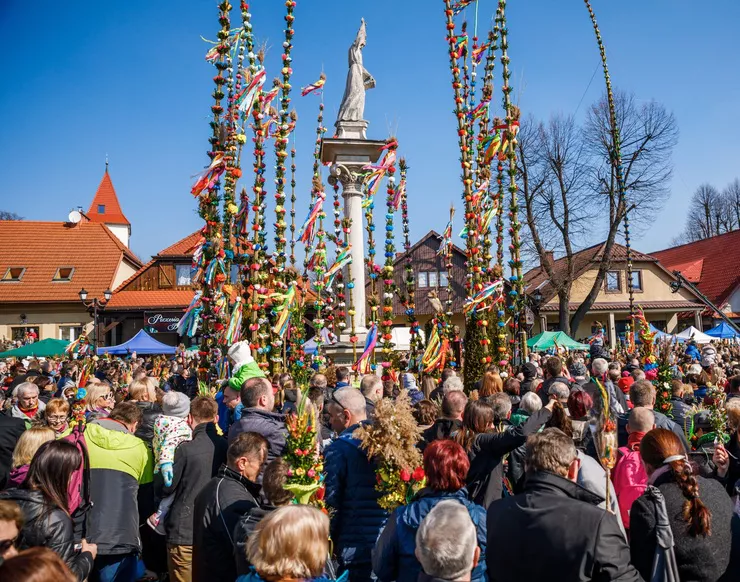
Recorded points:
(142, 343)
(723, 331)
(661, 335)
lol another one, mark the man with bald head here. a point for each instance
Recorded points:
(350, 487)
(258, 399)
(371, 387)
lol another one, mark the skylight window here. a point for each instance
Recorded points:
(64, 274)
(101, 208)
(13, 274)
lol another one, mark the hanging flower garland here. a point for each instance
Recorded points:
(207, 190)
(508, 148)
(387, 273)
(409, 299)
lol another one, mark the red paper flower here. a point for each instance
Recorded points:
(405, 476)
(418, 474)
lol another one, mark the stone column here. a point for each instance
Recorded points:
(348, 156)
(352, 194)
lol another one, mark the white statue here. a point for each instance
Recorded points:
(358, 81)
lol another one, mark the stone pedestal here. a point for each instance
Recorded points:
(347, 157)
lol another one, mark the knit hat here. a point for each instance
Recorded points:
(176, 404)
(241, 353)
(578, 369)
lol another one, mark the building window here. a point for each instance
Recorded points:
(443, 280)
(182, 273)
(432, 277)
(637, 281)
(421, 280)
(23, 333)
(101, 208)
(70, 332)
(13, 274)
(64, 274)
(613, 282)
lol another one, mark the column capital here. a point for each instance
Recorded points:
(350, 177)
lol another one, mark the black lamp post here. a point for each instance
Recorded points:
(93, 307)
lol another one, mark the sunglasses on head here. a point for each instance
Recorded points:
(335, 401)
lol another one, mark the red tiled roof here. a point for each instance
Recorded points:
(624, 306)
(183, 247)
(42, 247)
(106, 196)
(161, 299)
(720, 264)
(582, 261)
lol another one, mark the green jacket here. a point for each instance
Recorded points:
(247, 371)
(119, 463)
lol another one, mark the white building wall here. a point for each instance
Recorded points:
(121, 231)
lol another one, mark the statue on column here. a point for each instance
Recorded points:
(358, 81)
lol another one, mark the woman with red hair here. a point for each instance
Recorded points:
(446, 466)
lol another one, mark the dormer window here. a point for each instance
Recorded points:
(13, 274)
(64, 274)
(101, 208)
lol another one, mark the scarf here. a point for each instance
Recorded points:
(31, 412)
(633, 440)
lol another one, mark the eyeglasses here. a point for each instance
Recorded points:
(57, 419)
(5, 545)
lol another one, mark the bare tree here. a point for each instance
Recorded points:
(704, 209)
(554, 173)
(731, 202)
(5, 215)
(569, 186)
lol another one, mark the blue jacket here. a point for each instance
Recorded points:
(393, 557)
(350, 491)
(694, 352)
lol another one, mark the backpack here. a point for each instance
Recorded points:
(630, 481)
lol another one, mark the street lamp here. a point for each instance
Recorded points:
(92, 308)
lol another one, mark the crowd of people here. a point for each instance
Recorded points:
(162, 481)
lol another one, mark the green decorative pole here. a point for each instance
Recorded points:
(519, 331)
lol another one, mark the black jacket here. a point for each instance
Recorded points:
(195, 464)
(244, 528)
(554, 531)
(699, 559)
(48, 526)
(218, 507)
(485, 477)
(11, 430)
(443, 428)
(145, 430)
(269, 424)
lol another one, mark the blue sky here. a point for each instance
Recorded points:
(84, 79)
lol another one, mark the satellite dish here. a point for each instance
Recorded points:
(75, 217)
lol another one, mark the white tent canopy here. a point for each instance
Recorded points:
(691, 333)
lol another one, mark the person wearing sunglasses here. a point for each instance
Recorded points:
(11, 522)
(100, 401)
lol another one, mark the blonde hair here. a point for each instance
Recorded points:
(291, 542)
(733, 414)
(142, 390)
(29, 443)
(96, 391)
